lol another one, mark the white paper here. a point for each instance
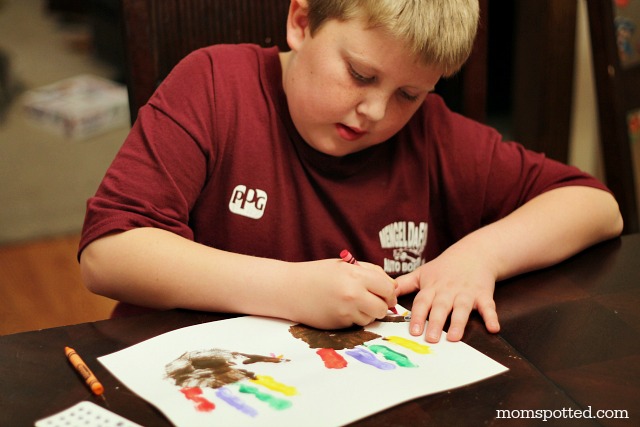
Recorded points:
(324, 396)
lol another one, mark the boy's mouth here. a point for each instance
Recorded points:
(349, 133)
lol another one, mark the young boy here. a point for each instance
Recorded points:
(249, 170)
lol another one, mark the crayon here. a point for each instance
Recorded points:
(84, 370)
(347, 257)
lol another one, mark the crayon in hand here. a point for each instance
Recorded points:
(347, 257)
(84, 370)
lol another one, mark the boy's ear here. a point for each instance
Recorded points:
(297, 23)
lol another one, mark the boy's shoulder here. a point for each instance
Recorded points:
(233, 62)
(435, 112)
(235, 52)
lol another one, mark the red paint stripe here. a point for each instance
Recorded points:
(195, 395)
(331, 358)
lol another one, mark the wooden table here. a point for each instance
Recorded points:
(570, 337)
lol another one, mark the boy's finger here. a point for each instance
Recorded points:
(440, 309)
(381, 270)
(459, 319)
(362, 319)
(487, 310)
(419, 311)
(462, 307)
(407, 283)
(385, 290)
(437, 317)
(373, 306)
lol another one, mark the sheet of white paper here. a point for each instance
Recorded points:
(316, 395)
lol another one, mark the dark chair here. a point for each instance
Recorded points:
(158, 33)
(618, 92)
(544, 48)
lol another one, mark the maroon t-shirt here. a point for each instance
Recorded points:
(215, 157)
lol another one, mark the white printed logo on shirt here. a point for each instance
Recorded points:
(408, 241)
(248, 202)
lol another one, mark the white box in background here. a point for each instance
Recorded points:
(78, 107)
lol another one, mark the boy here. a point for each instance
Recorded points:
(249, 170)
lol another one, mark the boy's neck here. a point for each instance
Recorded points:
(285, 57)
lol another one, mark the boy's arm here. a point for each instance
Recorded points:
(156, 268)
(548, 229)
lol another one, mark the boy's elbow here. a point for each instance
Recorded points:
(615, 222)
(93, 274)
(618, 225)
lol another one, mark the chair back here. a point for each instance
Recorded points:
(618, 92)
(159, 33)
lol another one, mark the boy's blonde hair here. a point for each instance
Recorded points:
(439, 32)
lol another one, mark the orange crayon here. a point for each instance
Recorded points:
(84, 370)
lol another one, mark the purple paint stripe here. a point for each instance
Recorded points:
(235, 401)
(365, 356)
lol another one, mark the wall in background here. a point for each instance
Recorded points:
(584, 138)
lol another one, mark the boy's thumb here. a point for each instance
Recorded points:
(407, 283)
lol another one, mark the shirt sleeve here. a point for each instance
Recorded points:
(517, 175)
(477, 178)
(168, 149)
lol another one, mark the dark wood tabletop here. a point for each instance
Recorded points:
(570, 338)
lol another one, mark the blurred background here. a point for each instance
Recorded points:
(46, 177)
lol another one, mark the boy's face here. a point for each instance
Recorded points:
(350, 87)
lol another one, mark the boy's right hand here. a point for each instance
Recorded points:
(333, 294)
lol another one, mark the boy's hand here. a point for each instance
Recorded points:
(449, 284)
(338, 294)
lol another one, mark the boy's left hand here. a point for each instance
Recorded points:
(449, 284)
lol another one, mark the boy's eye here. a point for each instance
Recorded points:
(359, 77)
(367, 80)
(408, 96)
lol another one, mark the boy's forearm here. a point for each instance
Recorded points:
(156, 268)
(544, 231)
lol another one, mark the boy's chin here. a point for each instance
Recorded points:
(336, 150)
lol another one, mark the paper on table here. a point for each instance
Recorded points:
(301, 389)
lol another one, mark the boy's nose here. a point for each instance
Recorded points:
(373, 106)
